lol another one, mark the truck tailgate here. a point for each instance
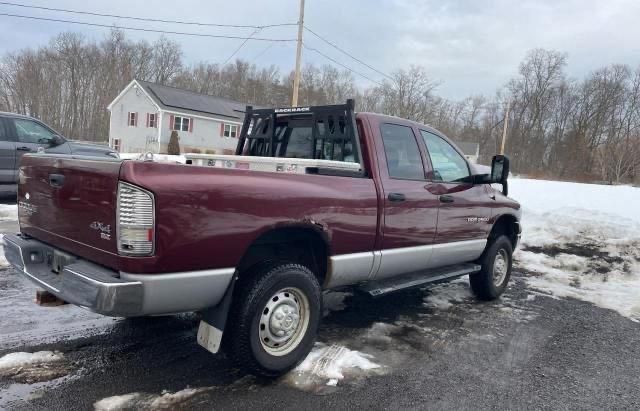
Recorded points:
(70, 201)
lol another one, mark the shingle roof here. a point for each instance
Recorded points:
(468, 148)
(172, 98)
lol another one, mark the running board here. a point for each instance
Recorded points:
(377, 288)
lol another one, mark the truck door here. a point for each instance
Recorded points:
(7, 154)
(465, 209)
(410, 210)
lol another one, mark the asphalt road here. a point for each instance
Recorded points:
(523, 351)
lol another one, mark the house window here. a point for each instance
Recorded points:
(230, 130)
(181, 123)
(133, 119)
(152, 120)
(116, 144)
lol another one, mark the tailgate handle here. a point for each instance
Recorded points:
(56, 180)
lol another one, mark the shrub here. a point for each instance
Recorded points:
(174, 144)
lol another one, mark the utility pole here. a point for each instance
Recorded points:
(505, 125)
(296, 78)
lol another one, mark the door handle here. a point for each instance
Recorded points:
(56, 180)
(446, 199)
(23, 148)
(396, 197)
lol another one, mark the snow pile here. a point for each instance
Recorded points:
(329, 364)
(541, 196)
(28, 367)
(8, 212)
(136, 400)
(579, 243)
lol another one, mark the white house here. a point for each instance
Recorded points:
(144, 114)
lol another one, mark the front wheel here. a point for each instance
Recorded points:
(491, 281)
(274, 318)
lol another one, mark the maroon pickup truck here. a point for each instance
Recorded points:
(314, 198)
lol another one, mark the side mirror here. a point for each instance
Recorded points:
(57, 140)
(500, 172)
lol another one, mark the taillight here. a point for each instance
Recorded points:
(136, 225)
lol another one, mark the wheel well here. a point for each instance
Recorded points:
(506, 225)
(302, 245)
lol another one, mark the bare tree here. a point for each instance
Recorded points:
(167, 60)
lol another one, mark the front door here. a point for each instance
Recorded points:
(410, 210)
(465, 209)
(7, 154)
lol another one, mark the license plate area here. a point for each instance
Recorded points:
(59, 260)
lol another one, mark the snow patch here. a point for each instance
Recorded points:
(444, 296)
(24, 359)
(618, 291)
(381, 332)
(327, 365)
(117, 402)
(25, 367)
(8, 212)
(3, 259)
(334, 301)
(136, 400)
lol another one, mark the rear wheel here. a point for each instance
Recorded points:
(274, 318)
(491, 281)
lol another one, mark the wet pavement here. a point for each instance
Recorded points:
(436, 348)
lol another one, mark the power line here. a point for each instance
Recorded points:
(347, 53)
(220, 36)
(340, 64)
(195, 23)
(240, 46)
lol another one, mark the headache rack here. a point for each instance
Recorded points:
(327, 134)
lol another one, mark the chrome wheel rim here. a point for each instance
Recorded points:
(500, 267)
(284, 321)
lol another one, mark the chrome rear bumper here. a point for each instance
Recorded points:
(81, 282)
(117, 294)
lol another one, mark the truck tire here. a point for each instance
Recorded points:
(491, 281)
(274, 318)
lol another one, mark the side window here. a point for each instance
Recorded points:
(401, 150)
(31, 132)
(4, 132)
(448, 164)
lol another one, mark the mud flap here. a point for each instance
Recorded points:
(213, 321)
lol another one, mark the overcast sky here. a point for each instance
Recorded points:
(469, 46)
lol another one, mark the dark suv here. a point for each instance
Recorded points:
(23, 134)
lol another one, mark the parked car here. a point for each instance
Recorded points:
(23, 134)
(315, 198)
